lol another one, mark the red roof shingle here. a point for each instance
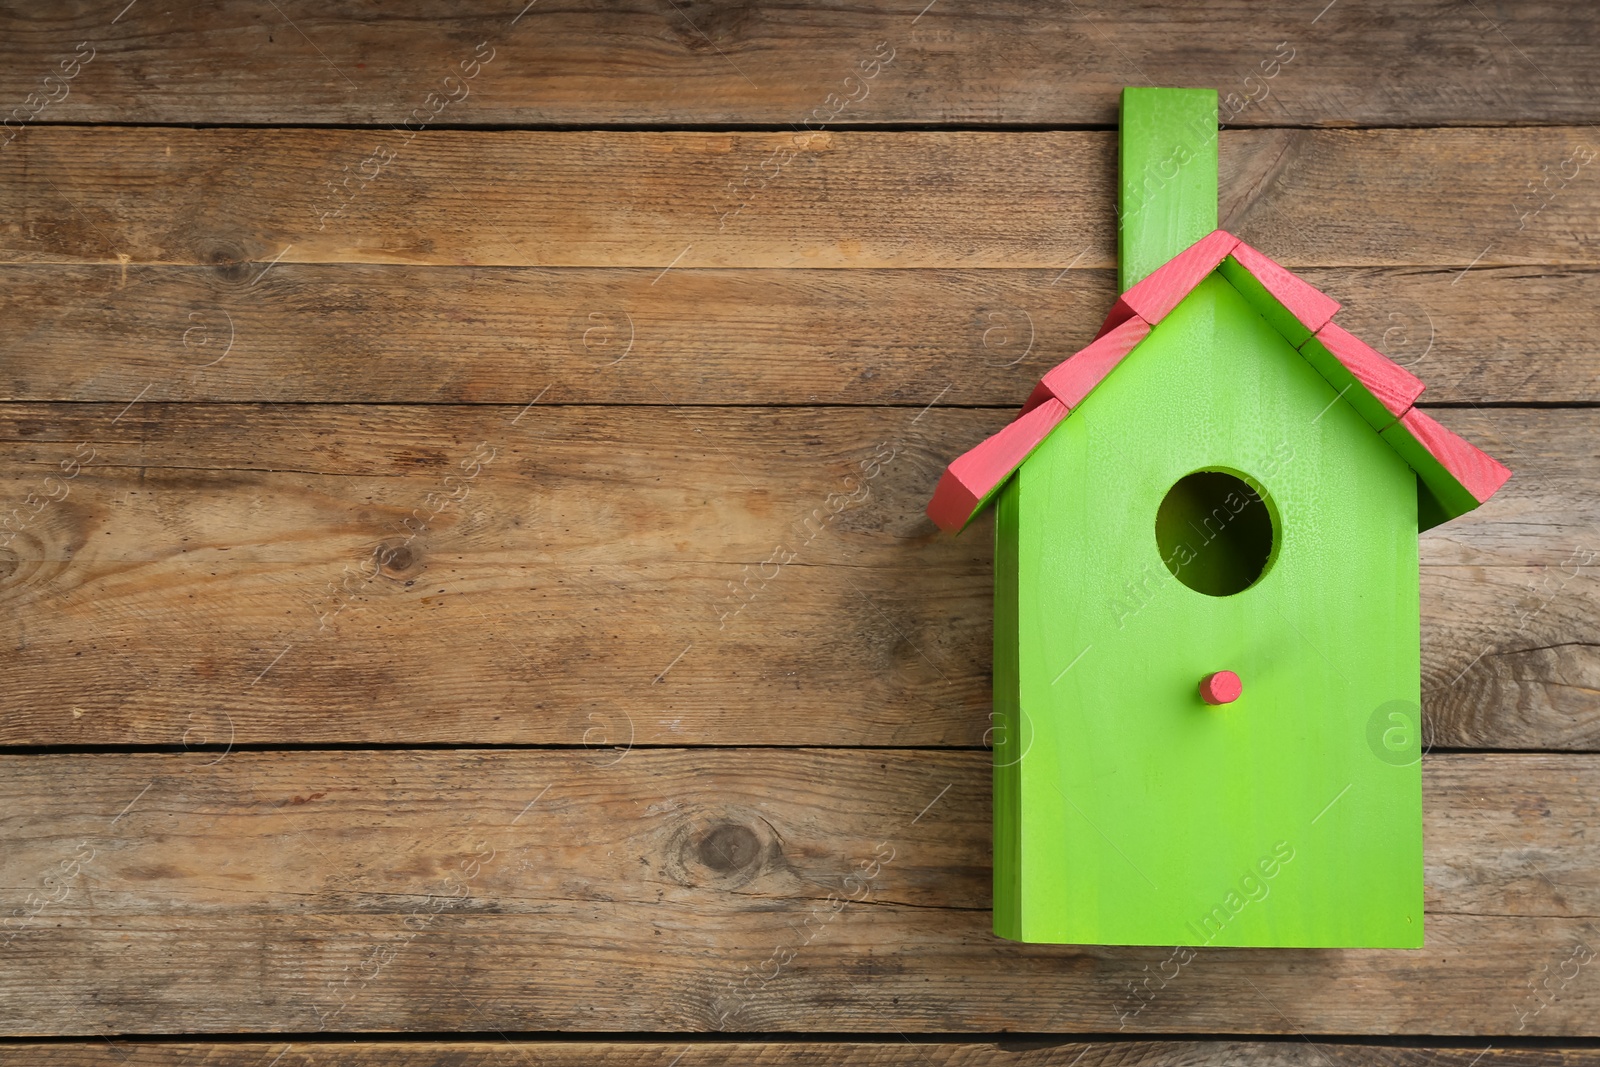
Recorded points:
(1454, 475)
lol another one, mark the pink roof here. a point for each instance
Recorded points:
(1460, 472)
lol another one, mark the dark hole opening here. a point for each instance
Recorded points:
(1214, 532)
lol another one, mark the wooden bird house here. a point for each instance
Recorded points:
(1206, 664)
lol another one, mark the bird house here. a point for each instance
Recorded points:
(1206, 664)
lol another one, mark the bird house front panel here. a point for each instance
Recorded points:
(1212, 507)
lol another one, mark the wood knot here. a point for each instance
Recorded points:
(725, 849)
(710, 25)
(232, 262)
(396, 559)
(728, 847)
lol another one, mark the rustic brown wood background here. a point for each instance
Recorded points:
(468, 589)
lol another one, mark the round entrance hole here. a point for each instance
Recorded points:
(1215, 532)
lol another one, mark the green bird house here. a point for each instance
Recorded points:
(1206, 664)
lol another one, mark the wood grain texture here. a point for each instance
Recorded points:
(557, 600)
(305, 564)
(404, 334)
(245, 198)
(539, 891)
(897, 1052)
(1408, 63)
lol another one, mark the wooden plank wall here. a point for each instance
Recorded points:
(467, 597)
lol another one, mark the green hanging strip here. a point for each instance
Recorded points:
(1167, 188)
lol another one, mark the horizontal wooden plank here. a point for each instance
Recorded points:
(897, 1052)
(1413, 62)
(568, 575)
(403, 334)
(689, 890)
(244, 199)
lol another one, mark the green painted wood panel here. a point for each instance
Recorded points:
(1139, 814)
(1167, 177)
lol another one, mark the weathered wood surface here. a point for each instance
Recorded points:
(894, 1052)
(609, 578)
(1410, 63)
(348, 333)
(353, 573)
(571, 890)
(246, 198)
